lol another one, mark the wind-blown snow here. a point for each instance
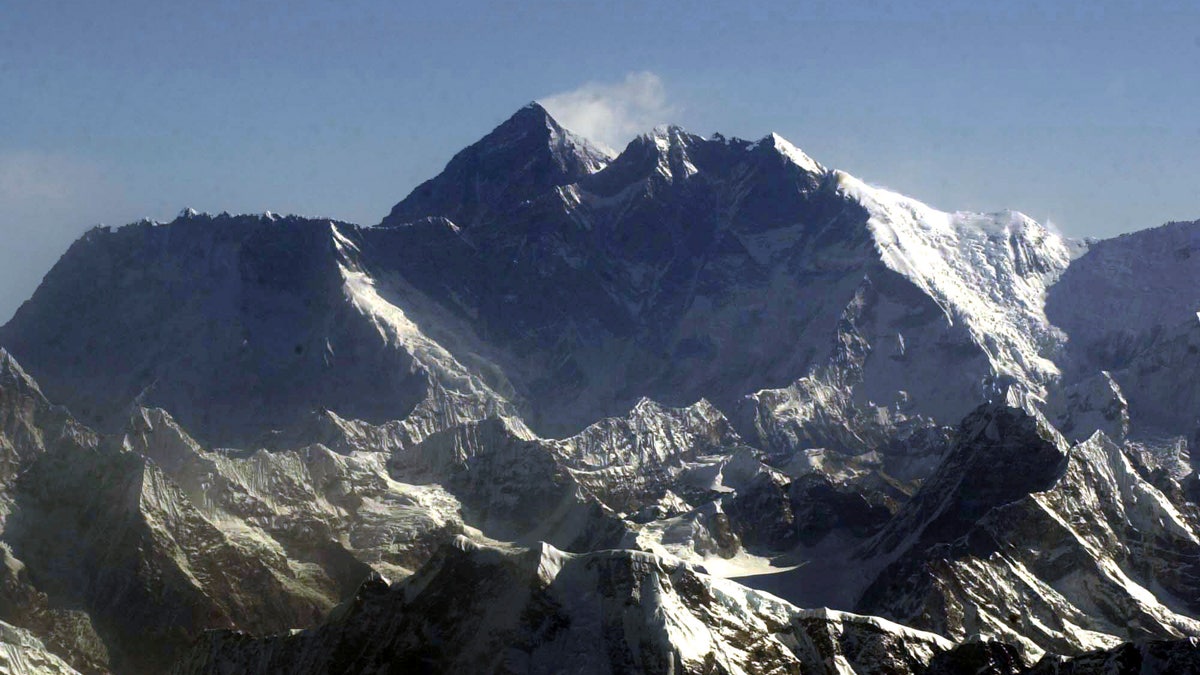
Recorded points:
(795, 155)
(989, 271)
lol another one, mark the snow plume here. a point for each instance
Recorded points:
(613, 112)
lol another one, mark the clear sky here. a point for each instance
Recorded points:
(1085, 114)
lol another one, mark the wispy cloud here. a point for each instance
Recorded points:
(613, 112)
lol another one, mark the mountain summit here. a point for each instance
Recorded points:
(526, 155)
(550, 281)
(560, 398)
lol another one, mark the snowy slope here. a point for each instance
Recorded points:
(990, 271)
(1021, 537)
(488, 610)
(23, 654)
(707, 350)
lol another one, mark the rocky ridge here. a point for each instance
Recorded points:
(698, 358)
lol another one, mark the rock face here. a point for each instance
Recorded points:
(1153, 656)
(521, 159)
(536, 279)
(101, 530)
(1022, 538)
(23, 654)
(486, 610)
(559, 397)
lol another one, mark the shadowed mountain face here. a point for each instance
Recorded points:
(560, 398)
(1021, 537)
(537, 278)
(538, 610)
(237, 325)
(1130, 306)
(519, 160)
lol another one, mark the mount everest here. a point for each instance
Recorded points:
(632, 411)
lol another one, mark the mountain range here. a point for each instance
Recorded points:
(702, 406)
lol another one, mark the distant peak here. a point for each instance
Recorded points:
(671, 132)
(533, 107)
(791, 152)
(11, 373)
(532, 117)
(523, 157)
(187, 212)
(670, 143)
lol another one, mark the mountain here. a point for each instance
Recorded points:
(538, 610)
(520, 159)
(1129, 307)
(108, 561)
(628, 411)
(1151, 656)
(1024, 538)
(240, 326)
(684, 268)
(23, 654)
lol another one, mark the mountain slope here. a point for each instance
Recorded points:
(526, 155)
(536, 280)
(1023, 538)
(199, 317)
(700, 354)
(486, 610)
(1129, 306)
(239, 326)
(23, 654)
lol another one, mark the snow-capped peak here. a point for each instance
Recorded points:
(525, 156)
(990, 271)
(670, 143)
(668, 132)
(12, 372)
(595, 155)
(792, 153)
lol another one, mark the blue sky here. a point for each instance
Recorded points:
(1085, 114)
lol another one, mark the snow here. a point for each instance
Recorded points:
(457, 393)
(685, 537)
(671, 145)
(595, 156)
(989, 271)
(678, 469)
(793, 154)
(23, 654)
